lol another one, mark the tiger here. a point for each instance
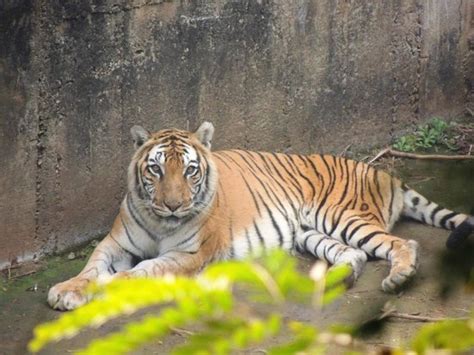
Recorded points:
(187, 206)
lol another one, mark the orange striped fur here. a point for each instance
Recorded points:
(187, 206)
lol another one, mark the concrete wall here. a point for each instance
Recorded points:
(306, 76)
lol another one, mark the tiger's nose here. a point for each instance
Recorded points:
(173, 205)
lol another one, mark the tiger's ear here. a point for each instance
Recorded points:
(140, 135)
(205, 133)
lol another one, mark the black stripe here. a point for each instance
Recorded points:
(325, 220)
(190, 237)
(223, 161)
(389, 249)
(89, 270)
(377, 186)
(434, 212)
(346, 186)
(208, 171)
(167, 257)
(305, 243)
(293, 180)
(317, 245)
(332, 246)
(267, 163)
(344, 231)
(367, 238)
(363, 184)
(392, 190)
(249, 242)
(313, 167)
(251, 194)
(324, 253)
(355, 179)
(135, 258)
(231, 235)
(372, 196)
(259, 235)
(205, 195)
(315, 170)
(228, 156)
(278, 204)
(284, 189)
(274, 223)
(335, 223)
(446, 218)
(136, 218)
(332, 182)
(129, 237)
(172, 140)
(107, 255)
(310, 183)
(302, 160)
(190, 252)
(354, 231)
(140, 188)
(374, 251)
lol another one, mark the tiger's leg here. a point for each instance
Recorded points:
(173, 262)
(107, 258)
(333, 251)
(375, 241)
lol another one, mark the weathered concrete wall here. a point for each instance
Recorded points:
(307, 76)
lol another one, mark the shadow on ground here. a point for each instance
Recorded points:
(23, 299)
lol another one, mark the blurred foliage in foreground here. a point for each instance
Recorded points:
(224, 324)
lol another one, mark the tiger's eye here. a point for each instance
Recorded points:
(191, 170)
(155, 169)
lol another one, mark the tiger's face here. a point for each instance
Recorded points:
(171, 171)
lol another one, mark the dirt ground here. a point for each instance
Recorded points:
(23, 299)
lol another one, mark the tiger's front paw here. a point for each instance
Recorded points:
(68, 295)
(356, 259)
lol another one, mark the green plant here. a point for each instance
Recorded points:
(206, 302)
(457, 335)
(405, 143)
(436, 132)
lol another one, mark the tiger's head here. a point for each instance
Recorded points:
(172, 173)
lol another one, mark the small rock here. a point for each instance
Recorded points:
(94, 243)
(71, 256)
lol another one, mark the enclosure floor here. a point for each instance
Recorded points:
(22, 305)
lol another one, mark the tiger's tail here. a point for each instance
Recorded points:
(418, 207)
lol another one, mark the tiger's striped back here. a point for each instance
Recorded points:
(283, 194)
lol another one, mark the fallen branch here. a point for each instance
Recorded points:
(180, 331)
(396, 153)
(390, 312)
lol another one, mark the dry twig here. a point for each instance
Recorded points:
(398, 154)
(420, 318)
(389, 311)
(180, 331)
